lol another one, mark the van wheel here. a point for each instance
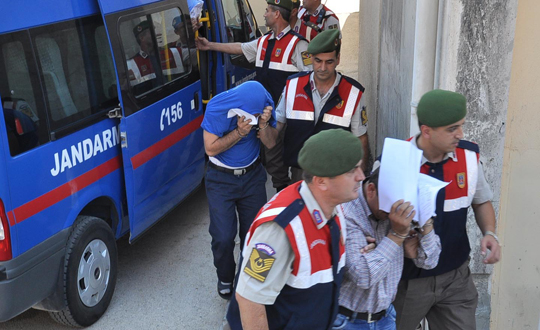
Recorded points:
(90, 269)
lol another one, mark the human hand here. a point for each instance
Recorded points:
(243, 125)
(195, 24)
(490, 243)
(411, 244)
(265, 116)
(202, 43)
(370, 247)
(401, 215)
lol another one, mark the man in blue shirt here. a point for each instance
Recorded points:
(235, 179)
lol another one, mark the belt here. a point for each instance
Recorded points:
(369, 317)
(238, 171)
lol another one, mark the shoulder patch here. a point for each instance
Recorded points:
(464, 144)
(306, 58)
(259, 264)
(363, 116)
(354, 83)
(333, 27)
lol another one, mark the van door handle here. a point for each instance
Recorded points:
(196, 99)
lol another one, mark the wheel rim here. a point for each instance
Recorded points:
(94, 272)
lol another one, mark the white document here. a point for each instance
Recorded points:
(240, 112)
(400, 178)
(428, 188)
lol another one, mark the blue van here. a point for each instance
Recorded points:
(101, 137)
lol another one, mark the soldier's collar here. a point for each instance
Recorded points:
(313, 207)
(452, 155)
(318, 10)
(282, 33)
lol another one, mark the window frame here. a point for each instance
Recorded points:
(131, 102)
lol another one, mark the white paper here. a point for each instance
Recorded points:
(240, 112)
(428, 188)
(400, 178)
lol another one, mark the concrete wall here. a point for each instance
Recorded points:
(483, 75)
(516, 280)
(386, 46)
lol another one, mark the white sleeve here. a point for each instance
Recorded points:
(297, 60)
(250, 50)
(269, 246)
(281, 112)
(359, 119)
(332, 23)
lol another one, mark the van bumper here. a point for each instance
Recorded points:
(31, 277)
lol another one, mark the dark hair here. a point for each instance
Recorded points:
(285, 13)
(308, 177)
(374, 178)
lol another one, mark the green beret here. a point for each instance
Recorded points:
(325, 42)
(330, 153)
(441, 108)
(140, 28)
(287, 4)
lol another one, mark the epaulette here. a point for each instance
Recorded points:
(354, 83)
(294, 33)
(464, 144)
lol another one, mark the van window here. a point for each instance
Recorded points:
(76, 69)
(20, 100)
(55, 77)
(156, 50)
(238, 21)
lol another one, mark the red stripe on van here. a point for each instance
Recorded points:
(69, 188)
(165, 143)
(11, 218)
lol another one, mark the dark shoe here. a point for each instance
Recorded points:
(224, 290)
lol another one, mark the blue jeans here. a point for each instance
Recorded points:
(228, 194)
(386, 323)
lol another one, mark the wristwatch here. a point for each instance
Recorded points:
(490, 233)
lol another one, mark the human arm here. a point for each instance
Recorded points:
(359, 126)
(267, 133)
(485, 218)
(229, 48)
(214, 145)
(262, 286)
(423, 247)
(253, 315)
(300, 59)
(366, 270)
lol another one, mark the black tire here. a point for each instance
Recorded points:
(91, 246)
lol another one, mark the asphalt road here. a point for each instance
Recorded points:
(166, 280)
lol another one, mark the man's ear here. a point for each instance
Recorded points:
(371, 190)
(425, 131)
(320, 183)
